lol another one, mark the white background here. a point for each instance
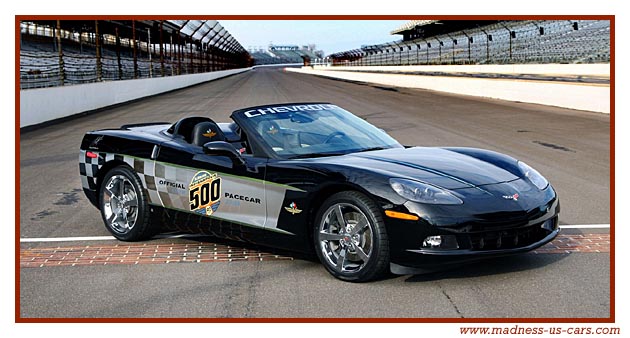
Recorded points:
(8, 328)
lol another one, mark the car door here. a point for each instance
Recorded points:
(211, 186)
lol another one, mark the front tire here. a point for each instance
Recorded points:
(124, 206)
(350, 237)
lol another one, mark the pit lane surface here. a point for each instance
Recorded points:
(571, 148)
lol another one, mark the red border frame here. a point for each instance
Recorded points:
(610, 319)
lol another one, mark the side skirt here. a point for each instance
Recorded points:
(176, 220)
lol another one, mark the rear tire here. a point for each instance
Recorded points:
(350, 237)
(123, 205)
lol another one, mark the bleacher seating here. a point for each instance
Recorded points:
(283, 54)
(261, 58)
(560, 43)
(42, 66)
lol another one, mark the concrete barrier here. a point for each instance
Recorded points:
(47, 104)
(590, 97)
(595, 69)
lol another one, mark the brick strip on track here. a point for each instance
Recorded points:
(594, 243)
(212, 252)
(141, 254)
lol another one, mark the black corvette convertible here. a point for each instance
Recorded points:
(314, 177)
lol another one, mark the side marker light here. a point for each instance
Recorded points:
(401, 215)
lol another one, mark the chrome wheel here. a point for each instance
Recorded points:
(120, 204)
(345, 238)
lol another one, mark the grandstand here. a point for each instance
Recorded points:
(430, 42)
(280, 54)
(66, 52)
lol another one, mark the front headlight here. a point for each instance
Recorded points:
(422, 192)
(533, 176)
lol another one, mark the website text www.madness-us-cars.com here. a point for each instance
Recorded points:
(576, 330)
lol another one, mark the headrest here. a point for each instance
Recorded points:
(184, 127)
(205, 132)
(267, 128)
(271, 133)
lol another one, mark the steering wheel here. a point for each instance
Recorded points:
(333, 135)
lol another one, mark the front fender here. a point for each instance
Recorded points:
(502, 161)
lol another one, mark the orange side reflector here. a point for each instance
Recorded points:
(401, 215)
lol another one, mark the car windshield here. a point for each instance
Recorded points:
(313, 130)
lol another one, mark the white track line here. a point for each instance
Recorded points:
(66, 239)
(97, 238)
(110, 238)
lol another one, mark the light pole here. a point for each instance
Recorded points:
(541, 31)
(511, 34)
(469, 38)
(488, 39)
(440, 44)
(453, 43)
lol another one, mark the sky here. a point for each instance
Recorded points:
(329, 35)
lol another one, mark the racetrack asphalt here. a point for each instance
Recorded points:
(571, 148)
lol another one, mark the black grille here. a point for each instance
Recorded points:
(505, 239)
(501, 220)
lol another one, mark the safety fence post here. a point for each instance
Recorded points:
(99, 65)
(62, 72)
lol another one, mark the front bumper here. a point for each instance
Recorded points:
(468, 241)
(441, 259)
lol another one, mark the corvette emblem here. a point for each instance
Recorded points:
(511, 197)
(209, 133)
(292, 208)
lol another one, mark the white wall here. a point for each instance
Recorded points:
(590, 97)
(46, 104)
(595, 69)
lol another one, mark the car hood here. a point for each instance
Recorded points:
(438, 166)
